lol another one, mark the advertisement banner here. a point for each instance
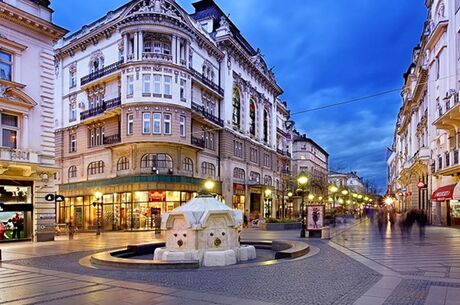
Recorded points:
(315, 218)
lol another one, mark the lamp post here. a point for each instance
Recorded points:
(290, 194)
(302, 181)
(98, 205)
(333, 189)
(268, 207)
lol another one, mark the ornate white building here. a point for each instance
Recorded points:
(151, 100)
(27, 149)
(424, 166)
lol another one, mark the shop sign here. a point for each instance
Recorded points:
(55, 198)
(315, 217)
(238, 187)
(46, 228)
(157, 196)
(421, 185)
(47, 216)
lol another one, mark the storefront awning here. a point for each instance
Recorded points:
(456, 195)
(443, 193)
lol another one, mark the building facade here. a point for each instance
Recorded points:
(27, 147)
(350, 181)
(425, 165)
(152, 101)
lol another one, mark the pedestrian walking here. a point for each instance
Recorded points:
(382, 220)
(422, 221)
(392, 218)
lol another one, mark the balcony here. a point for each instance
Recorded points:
(18, 155)
(115, 102)
(281, 132)
(113, 139)
(150, 56)
(101, 73)
(449, 163)
(207, 82)
(208, 116)
(449, 113)
(197, 142)
(283, 152)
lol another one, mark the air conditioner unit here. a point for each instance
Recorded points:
(155, 171)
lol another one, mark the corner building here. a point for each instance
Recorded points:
(27, 148)
(152, 101)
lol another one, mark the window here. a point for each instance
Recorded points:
(9, 127)
(208, 138)
(72, 173)
(254, 177)
(268, 180)
(159, 161)
(6, 66)
(130, 85)
(236, 117)
(238, 149)
(167, 123)
(238, 173)
(252, 117)
(187, 165)
(157, 45)
(95, 168)
(146, 84)
(254, 155)
(146, 122)
(182, 129)
(157, 84)
(72, 112)
(266, 126)
(122, 164)
(267, 160)
(95, 136)
(157, 123)
(73, 142)
(183, 84)
(209, 106)
(130, 124)
(208, 169)
(167, 85)
(72, 79)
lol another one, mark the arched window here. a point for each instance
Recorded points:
(238, 173)
(122, 164)
(187, 165)
(159, 161)
(236, 114)
(266, 125)
(157, 44)
(252, 117)
(95, 168)
(208, 169)
(72, 172)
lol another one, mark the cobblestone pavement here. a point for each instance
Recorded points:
(329, 277)
(416, 271)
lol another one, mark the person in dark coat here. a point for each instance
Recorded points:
(422, 221)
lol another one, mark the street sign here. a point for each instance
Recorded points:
(421, 185)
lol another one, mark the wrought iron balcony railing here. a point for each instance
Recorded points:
(209, 83)
(100, 73)
(100, 109)
(200, 110)
(113, 139)
(197, 142)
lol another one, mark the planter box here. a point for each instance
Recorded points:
(283, 226)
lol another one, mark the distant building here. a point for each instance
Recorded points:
(348, 180)
(27, 147)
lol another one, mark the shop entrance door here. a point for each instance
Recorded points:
(255, 203)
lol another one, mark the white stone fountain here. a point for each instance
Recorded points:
(206, 230)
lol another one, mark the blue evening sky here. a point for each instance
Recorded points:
(324, 52)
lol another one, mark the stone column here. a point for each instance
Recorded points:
(125, 47)
(136, 46)
(186, 53)
(174, 48)
(25, 131)
(141, 45)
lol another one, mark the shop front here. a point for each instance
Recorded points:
(121, 206)
(238, 198)
(16, 210)
(442, 199)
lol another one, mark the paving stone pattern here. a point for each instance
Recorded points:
(327, 278)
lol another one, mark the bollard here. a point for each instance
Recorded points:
(0, 255)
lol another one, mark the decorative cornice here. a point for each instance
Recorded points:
(31, 22)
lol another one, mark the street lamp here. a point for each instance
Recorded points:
(333, 189)
(311, 197)
(302, 181)
(289, 194)
(209, 186)
(388, 201)
(98, 202)
(268, 208)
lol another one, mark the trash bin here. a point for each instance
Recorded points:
(326, 233)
